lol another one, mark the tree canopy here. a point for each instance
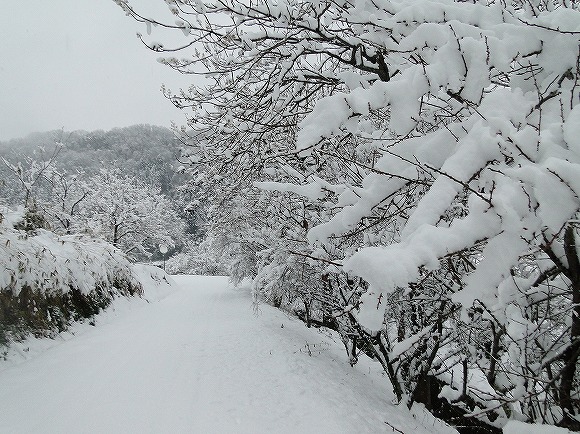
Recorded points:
(408, 171)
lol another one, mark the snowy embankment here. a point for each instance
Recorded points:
(48, 281)
(192, 356)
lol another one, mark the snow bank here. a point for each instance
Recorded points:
(49, 281)
(515, 427)
(156, 285)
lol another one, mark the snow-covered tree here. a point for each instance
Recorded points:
(26, 184)
(129, 214)
(63, 200)
(436, 146)
(29, 174)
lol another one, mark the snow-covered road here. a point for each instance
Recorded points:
(200, 361)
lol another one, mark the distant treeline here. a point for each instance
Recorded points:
(147, 151)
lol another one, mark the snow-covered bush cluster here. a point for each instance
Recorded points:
(411, 169)
(197, 258)
(108, 204)
(48, 280)
(128, 213)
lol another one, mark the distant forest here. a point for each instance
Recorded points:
(144, 151)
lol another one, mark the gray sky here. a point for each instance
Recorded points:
(77, 64)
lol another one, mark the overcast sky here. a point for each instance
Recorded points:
(77, 64)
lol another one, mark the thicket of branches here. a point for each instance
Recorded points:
(406, 172)
(108, 203)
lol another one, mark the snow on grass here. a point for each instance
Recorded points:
(199, 359)
(54, 264)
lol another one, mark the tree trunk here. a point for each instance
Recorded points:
(571, 354)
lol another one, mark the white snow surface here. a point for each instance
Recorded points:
(515, 427)
(192, 356)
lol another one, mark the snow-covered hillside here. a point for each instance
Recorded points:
(195, 357)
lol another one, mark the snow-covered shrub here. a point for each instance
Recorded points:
(47, 280)
(33, 218)
(197, 258)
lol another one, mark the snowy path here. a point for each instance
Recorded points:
(199, 361)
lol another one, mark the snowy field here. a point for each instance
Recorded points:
(194, 357)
